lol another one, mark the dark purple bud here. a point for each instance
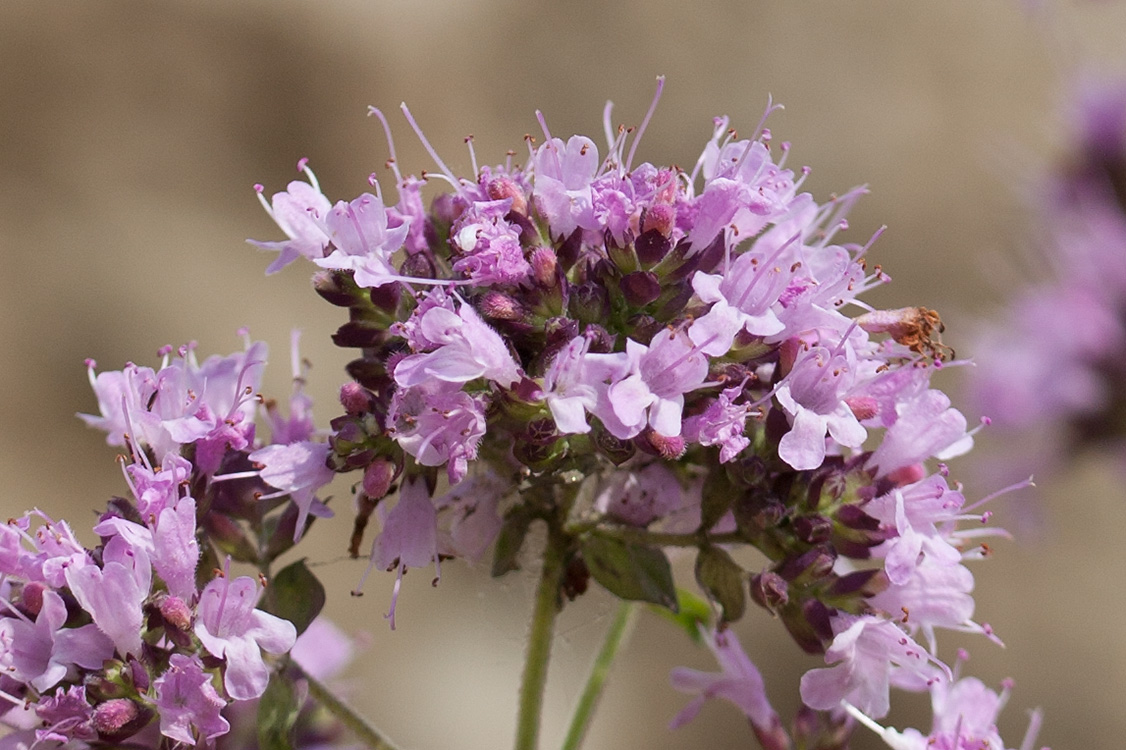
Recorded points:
(589, 303)
(356, 399)
(386, 297)
(359, 334)
(418, 266)
(541, 431)
(770, 591)
(810, 566)
(330, 285)
(863, 583)
(640, 288)
(138, 675)
(378, 477)
(568, 251)
(813, 529)
(601, 340)
(176, 612)
(772, 737)
(853, 517)
(651, 247)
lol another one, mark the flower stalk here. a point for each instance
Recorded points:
(620, 626)
(356, 724)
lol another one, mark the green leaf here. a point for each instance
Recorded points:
(630, 571)
(509, 541)
(692, 611)
(295, 594)
(277, 713)
(718, 496)
(722, 578)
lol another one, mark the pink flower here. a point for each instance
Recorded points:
(364, 241)
(438, 424)
(299, 212)
(115, 593)
(813, 396)
(229, 627)
(652, 393)
(190, 707)
(871, 654)
(409, 538)
(467, 348)
(298, 470)
(739, 682)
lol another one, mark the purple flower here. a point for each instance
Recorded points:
(188, 703)
(438, 424)
(739, 682)
(67, 715)
(871, 654)
(299, 212)
(652, 392)
(562, 192)
(640, 497)
(363, 239)
(409, 538)
(42, 653)
(229, 627)
(467, 348)
(813, 396)
(298, 470)
(115, 593)
(722, 424)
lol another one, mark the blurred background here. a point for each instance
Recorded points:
(130, 136)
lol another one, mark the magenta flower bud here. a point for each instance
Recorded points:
(355, 399)
(500, 306)
(176, 612)
(640, 287)
(504, 187)
(863, 407)
(668, 448)
(907, 475)
(31, 597)
(544, 266)
(378, 477)
(112, 718)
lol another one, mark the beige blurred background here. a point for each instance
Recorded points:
(130, 136)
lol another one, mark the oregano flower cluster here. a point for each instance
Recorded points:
(573, 356)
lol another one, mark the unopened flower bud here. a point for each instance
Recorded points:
(31, 597)
(418, 266)
(667, 447)
(863, 407)
(355, 399)
(503, 187)
(328, 285)
(445, 208)
(500, 306)
(544, 264)
(176, 612)
(769, 590)
(813, 529)
(640, 287)
(378, 477)
(112, 718)
(908, 475)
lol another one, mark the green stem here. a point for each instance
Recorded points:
(599, 671)
(358, 725)
(539, 646)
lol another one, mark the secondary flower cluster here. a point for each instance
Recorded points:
(1051, 369)
(96, 645)
(640, 357)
